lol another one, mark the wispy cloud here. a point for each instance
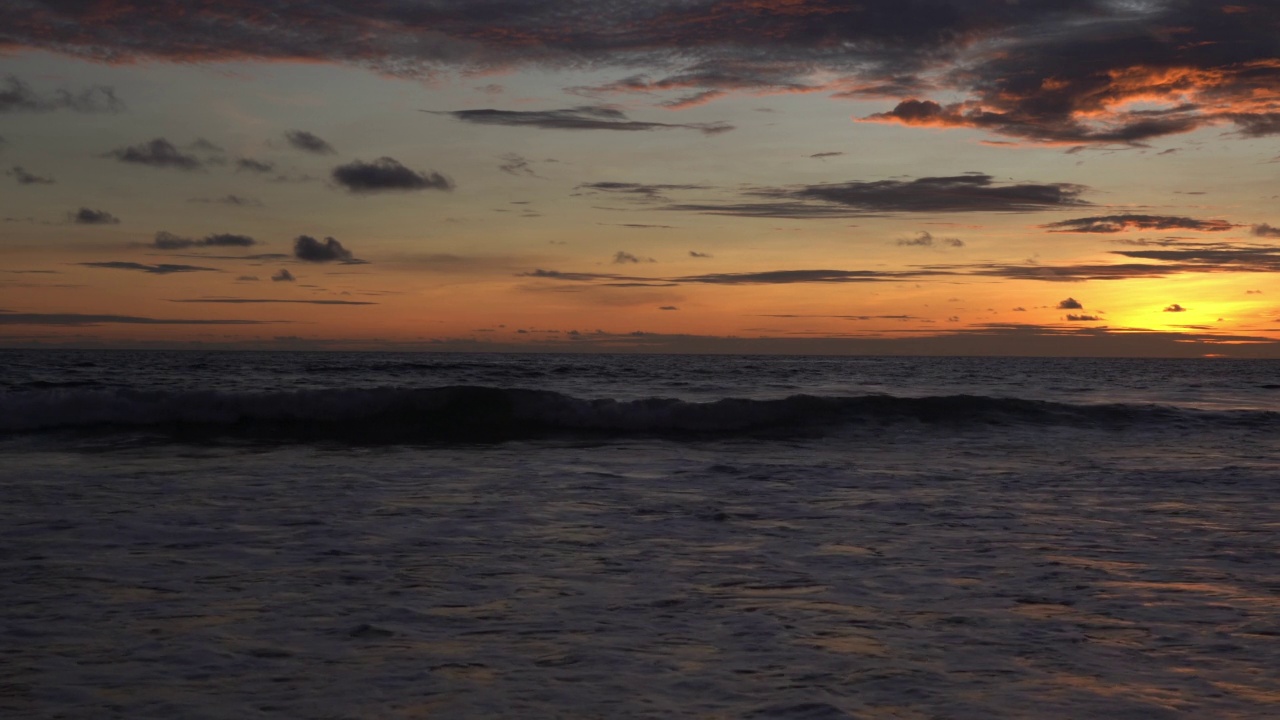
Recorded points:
(165, 240)
(88, 319)
(971, 192)
(1121, 223)
(585, 117)
(161, 269)
(25, 178)
(268, 301)
(308, 142)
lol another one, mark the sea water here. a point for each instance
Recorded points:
(372, 535)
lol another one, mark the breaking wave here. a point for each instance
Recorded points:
(487, 414)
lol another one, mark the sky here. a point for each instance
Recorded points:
(1006, 177)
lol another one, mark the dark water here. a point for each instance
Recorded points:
(402, 535)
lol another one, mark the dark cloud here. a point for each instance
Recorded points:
(253, 301)
(251, 165)
(1070, 304)
(17, 96)
(162, 269)
(926, 239)
(1074, 273)
(668, 307)
(1265, 230)
(846, 317)
(308, 142)
(1175, 308)
(787, 277)
(1256, 125)
(823, 155)
(386, 174)
(84, 320)
(309, 249)
(1070, 71)
(696, 254)
(168, 241)
(87, 216)
(1214, 257)
(25, 178)
(283, 276)
(971, 192)
(1121, 223)
(1190, 64)
(1083, 318)
(584, 117)
(156, 153)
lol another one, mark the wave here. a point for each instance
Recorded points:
(488, 413)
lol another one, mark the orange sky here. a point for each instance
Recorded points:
(714, 176)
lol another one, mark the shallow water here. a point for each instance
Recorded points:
(906, 566)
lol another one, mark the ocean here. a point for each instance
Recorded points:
(402, 535)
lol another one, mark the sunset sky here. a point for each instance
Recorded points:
(1031, 177)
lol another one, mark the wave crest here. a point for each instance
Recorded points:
(487, 413)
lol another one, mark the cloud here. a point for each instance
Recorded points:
(1175, 308)
(1070, 304)
(17, 96)
(283, 276)
(251, 165)
(1090, 71)
(1252, 292)
(823, 155)
(207, 146)
(260, 301)
(156, 153)
(787, 277)
(515, 164)
(1214, 257)
(309, 249)
(1083, 318)
(926, 239)
(696, 254)
(1121, 223)
(86, 216)
(623, 258)
(308, 142)
(85, 320)
(971, 192)
(25, 178)
(668, 307)
(584, 117)
(168, 241)
(162, 269)
(637, 191)
(1265, 230)
(386, 174)
(230, 200)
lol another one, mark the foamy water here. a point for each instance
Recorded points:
(292, 536)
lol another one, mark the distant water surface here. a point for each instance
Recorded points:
(324, 535)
